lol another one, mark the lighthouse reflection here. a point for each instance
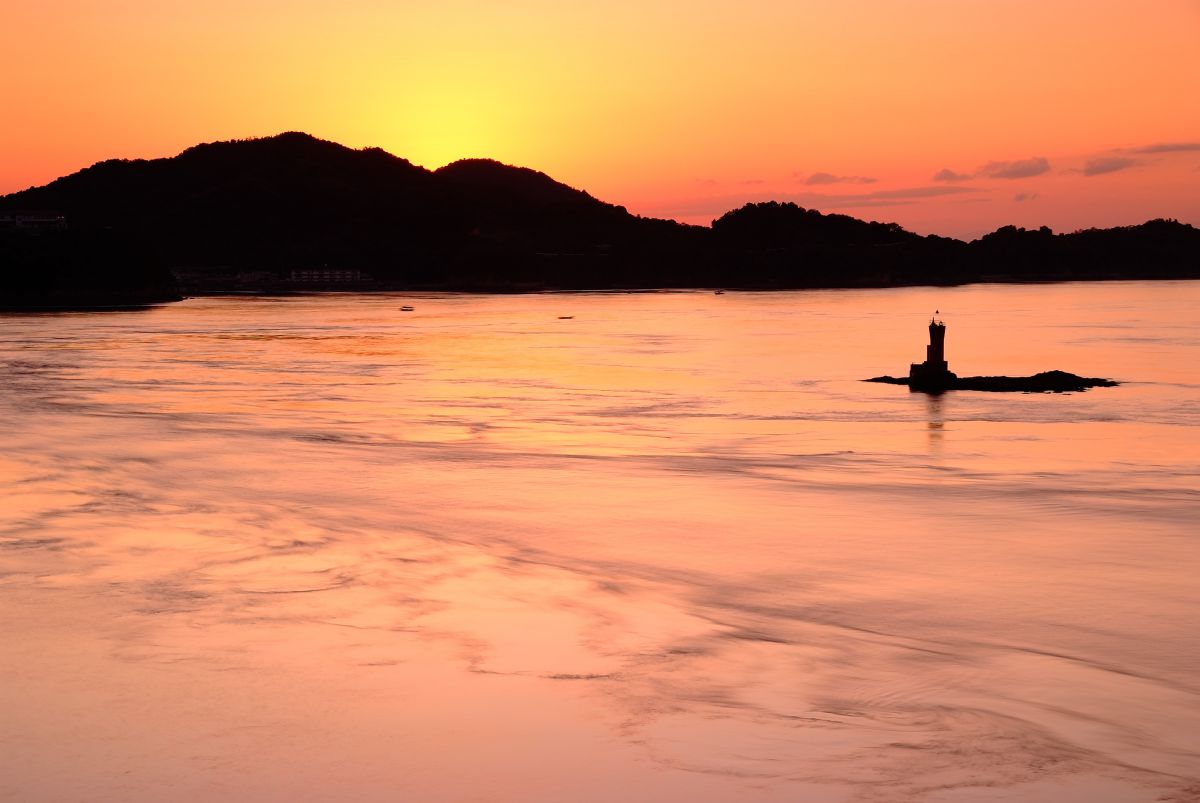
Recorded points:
(935, 420)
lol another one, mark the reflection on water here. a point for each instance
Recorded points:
(666, 548)
(935, 405)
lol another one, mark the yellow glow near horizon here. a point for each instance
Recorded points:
(680, 111)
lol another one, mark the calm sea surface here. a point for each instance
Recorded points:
(669, 549)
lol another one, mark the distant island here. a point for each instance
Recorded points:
(294, 212)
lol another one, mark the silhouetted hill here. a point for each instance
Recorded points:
(248, 214)
(1156, 249)
(293, 202)
(776, 225)
(488, 182)
(524, 209)
(785, 245)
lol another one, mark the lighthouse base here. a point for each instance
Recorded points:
(931, 377)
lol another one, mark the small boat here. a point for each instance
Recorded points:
(566, 317)
(718, 292)
(406, 309)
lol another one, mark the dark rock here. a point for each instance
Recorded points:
(1045, 382)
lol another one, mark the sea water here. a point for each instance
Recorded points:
(601, 547)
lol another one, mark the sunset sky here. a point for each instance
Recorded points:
(948, 116)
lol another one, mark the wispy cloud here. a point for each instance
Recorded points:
(946, 174)
(1022, 197)
(1108, 164)
(1021, 168)
(1167, 147)
(906, 192)
(829, 178)
(715, 206)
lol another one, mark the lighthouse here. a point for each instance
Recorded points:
(933, 374)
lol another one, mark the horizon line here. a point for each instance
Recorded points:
(887, 197)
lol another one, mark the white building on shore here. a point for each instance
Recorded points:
(329, 275)
(32, 222)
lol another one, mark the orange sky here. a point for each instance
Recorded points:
(1053, 112)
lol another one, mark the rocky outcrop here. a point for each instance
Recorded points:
(1045, 382)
